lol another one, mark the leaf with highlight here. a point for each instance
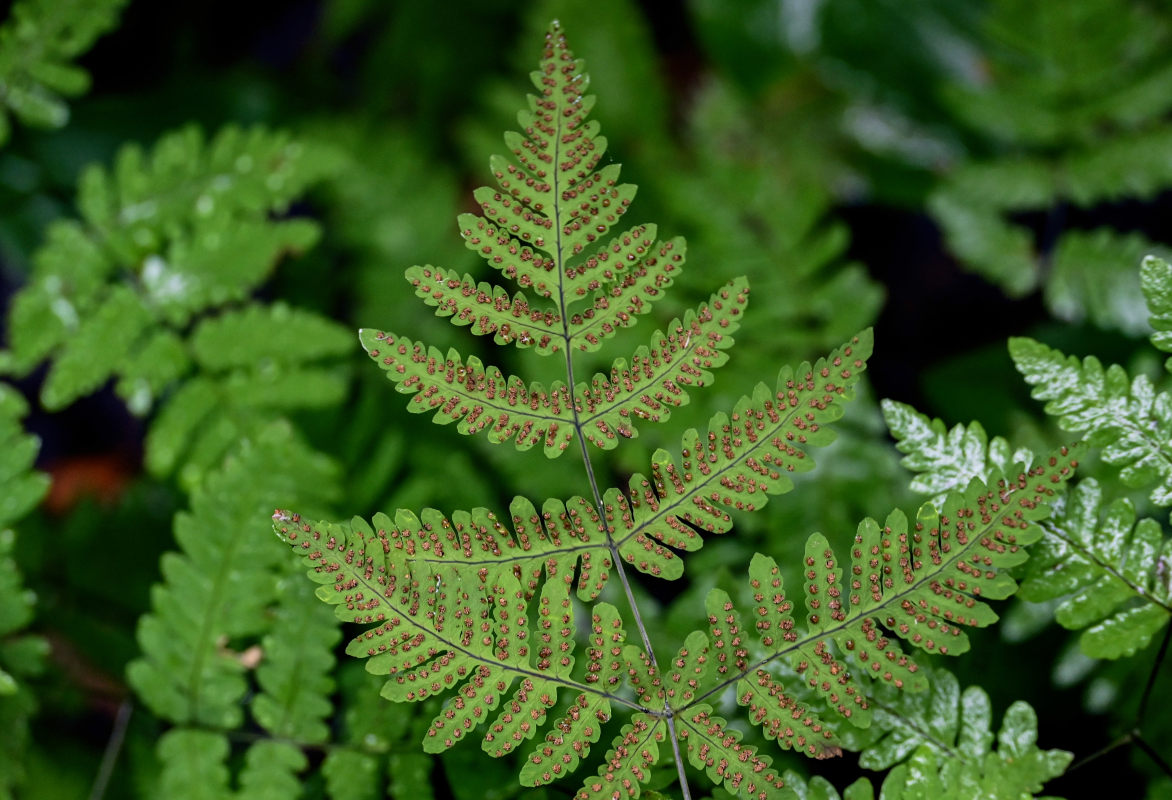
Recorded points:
(1110, 573)
(1126, 417)
(947, 460)
(1015, 771)
(38, 43)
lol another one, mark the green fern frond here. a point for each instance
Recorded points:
(480, 398)
(270, 771)
(966, 766)
(21, 655)
(191, 223)
(1156, 281)
(946, 461)
(1086, 282)
(193, 765)
(294, 675)
(438, 627)
(922, 582)
(1066, 134)
(948, 734)
(742, 459)
(1126, 417)
(38, 42)
(1110, 573)
(216, 590)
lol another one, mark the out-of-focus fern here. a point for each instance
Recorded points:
(21, 655)
(1073, 106)
(165, 238)
(38, 43)
(1126, 416)
(213, 606)
(483, 612)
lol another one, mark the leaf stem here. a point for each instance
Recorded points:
(113, 750)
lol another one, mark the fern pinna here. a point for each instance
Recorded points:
(485, 610)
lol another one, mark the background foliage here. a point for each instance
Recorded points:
(175, 188)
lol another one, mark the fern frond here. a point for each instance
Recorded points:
(481, 399)
(553, 196)
(21, 655)
(252, 365)
(438, 627)
(1086, 282)
(659, 375)
(1126, 417)
(957, 760)
(741, 460)
(294, 675)
(946, 461)
(1156, 282)
(627, 766)
(191, 222)
(217, 588)
(270, 771)
(38, 42)
(193, 765)
(922, 582)
(1111, 574)
(477, 397)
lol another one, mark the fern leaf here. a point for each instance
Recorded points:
(248, 374)
(969, 767)
(169, 219)
(552, 196)
(488, 309)
(270, 771)
(21, 655)
(741, 460)
(1111, 574)
(716, 749)
(193, 765)
(632, 294)
(946, 461)
(38, 42)
(1127, 418)
(1156, 281)
(627, 766)
(476, 397)
(659, 375)
(921, 582)
(439, 628)
(573, 735)
(20, 488)
(1086, 281)
(480, 398)
(218, 587)
(294, 676)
